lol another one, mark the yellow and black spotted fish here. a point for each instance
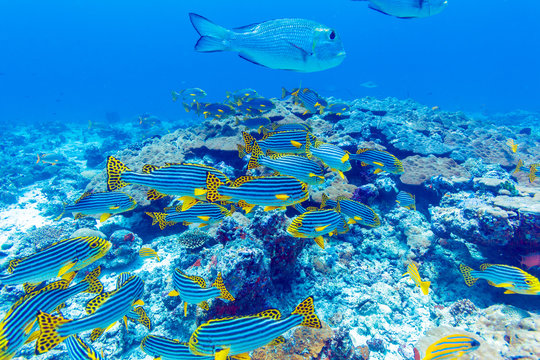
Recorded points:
(354, 210)
(60, 259)
(380, 159)
(300, 167)
(104, 203)
(235, 336)
(202, 213)
(170, 179)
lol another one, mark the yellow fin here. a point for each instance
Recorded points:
(104, 217)
(95, 303)
(174, 293)
(351, 221)
(138, 302)
(199, 192)
(270, 313)
(277, 341)
(114, 207)
(283, 197)
(222, 355)
(202, 225)
(204, 305)
(65, 269)
(321, 228)
(320, 241)
(510, 292)
(34, 336)
(377, 171)
(345, 157)
(204, 218)
(185, 309)
(341, 174)
(49, 336)
(244, 356)
(270, 208)
(296, 144)
(307, 310)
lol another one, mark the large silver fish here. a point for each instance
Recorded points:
(406, 9)
(287, 44)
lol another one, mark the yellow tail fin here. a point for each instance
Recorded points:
(49, 337)
(324, 200)
(160, 219)
(255, 154)
(248, 140)
(225, 294)
(115, 168)
(532, 173)
(212, 184)
(94, 285)
(518, 167)
(466, 271)
(241, 151)
(424, 285)
(307, 310)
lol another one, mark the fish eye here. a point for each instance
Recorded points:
(332, 35)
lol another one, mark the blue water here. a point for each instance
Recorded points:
(78, 60)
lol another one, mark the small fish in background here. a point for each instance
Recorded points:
(193, 290)
(241, 95)
(331, 155)
(105, 203)
(190, 97)
(513, 146)
(369, 84)
(380, 159)
(310, 100)
(254, 106)
(533, 170)
(216, 110)
(406, 200)
(515, 280)
(530, 260)
(355, 210)
(80, 350)
(254, 123)
(451, 347)
(282, 142)
(53, 159)
(338, 108)
(160, 347)
(412, 271)
(408, 9)
(435, 108)
(291, 127)
(286, 44)
(147, 252)
(244, 334)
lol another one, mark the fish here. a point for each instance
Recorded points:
(407, 200)
(147, 252)
(332, 156)
(193, 290)
(80, 350)
(408, 9)
(286, 44)
(138, 314)
(103, 312)
(272, 192)
(354, 210)
(164, 348)
(240, 335)
(105, 203)
(60, 259)
(380, 159)
(255, 106)
(199, 213)
(53, 159)
(412, 271)
(300, 167)
(317, 223)
(515, 280)
(533, 170)
(291, 127)
(171, 179)
(338, 108)
(368, 84)
(243, 94)
(513, 146)
(312, 101)
(282, 142)
(256, 123)
(451, 347)
(18, 325)
(216, 110)
(190, 95)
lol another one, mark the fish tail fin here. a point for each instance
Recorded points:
(254, 158)
(532, 173)
(212, 37)
(284, 93)
(424, 286)
(241, 151)
(115, 168)
(174, 95)
(248, 140)
(324, 200)
(307, 310)
(94, 285)
(218, 283)
(49, 336)
(518, 167)
(466, 271)
(62, 214)
(159, 218)
(212, 184)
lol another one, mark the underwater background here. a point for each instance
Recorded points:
(436, 147)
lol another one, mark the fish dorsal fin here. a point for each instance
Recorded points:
(312, 208)
(148, 169)
(86, 194)
(28, 288)
(342, 197)
(318, 144)
(187, 204)
(277, 341)
(270, 313)
(197, 279)
(204, 305)
(13, 265)
(483, 267)
(153, 194)
(362, 150)
(143, 317)
(243, 179)
(122, 279)
(95, 303)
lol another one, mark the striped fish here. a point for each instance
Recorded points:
(147, 252)
(193, 290)
(338, 108)
(533, 170)
(18, 325)
(310, 100)
(104, 311)
(451, 347)
(512, 145)
(382, 160)
(282, 142)
(242, 94)
(104, 203)
(168, 349)
(291, 127)
(216, 110)
(272, 192)
(80, 350)
(331, 155)
(356, 211)
(412, 271)
(240, 335)
(57, 260)
(170, 179)
(407, 200)
(199, 213)
(515, 280)
(317, 223)
(257, 123)
(300, 167)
